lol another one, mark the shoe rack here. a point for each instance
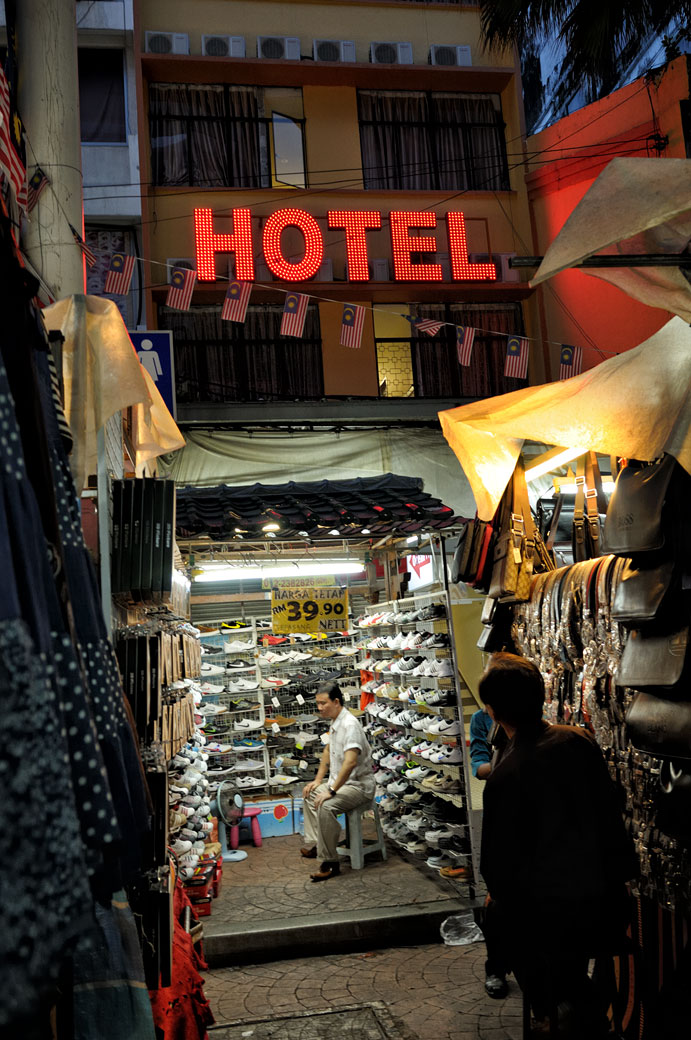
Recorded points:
(233, 678)
(415, 724)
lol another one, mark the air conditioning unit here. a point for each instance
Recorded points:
(379, 269)
(450, 54)
(326, 271)
(382, 53)
(285, 47)
(215, 46)
(188, 262)
(508, 274)
(333, 50)
(166, 43)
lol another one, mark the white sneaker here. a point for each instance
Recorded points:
(248, 724)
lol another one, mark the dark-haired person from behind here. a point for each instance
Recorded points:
(347, 763)
(555, 853)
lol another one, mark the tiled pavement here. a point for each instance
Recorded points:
(274, 882)
(431, 992)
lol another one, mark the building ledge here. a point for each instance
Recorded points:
(176, 68)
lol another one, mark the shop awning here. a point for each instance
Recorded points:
(638, 206)
(384, 505)
(636, 405)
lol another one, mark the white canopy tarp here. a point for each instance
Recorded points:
(634, 206)
(102, 376)
(637, 405)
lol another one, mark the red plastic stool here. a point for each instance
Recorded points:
(251, 813)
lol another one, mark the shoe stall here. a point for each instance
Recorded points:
(374, 615)
(587, 580)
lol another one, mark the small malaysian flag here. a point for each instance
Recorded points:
(85, 251)
(517, 351)
(570, 361)
(119, 274)
(182, 282)
(427, 325)
(465, 337)
(235, 304)
(294, 314)
(352, 324)
(37, 183)
(12, 151)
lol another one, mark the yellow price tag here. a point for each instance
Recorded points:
(315, 611)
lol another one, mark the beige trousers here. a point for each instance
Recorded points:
(321, 826)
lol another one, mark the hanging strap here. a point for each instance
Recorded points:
(596, 502)
(522, 526)
(579, 551)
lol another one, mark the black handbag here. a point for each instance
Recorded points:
(634, 520)
(653, 659)
(589, 508)
(641, 592)
(659, 726)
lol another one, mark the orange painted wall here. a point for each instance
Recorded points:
(578, 308)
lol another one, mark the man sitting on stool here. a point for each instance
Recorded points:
(348, 761)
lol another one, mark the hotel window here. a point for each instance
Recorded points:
(432, 141)
(413, 364)
(102, 96)
(219, 360)
(226, 136)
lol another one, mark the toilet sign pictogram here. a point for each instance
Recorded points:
(155, 352)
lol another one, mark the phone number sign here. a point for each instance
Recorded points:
(309, 610)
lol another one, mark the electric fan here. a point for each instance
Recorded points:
(228, 806)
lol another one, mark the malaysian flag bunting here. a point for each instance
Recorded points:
(517, 351)
(465, 337)
(119, 274)
(427, 325)
(12, 155)
(352, 324)
(570, 361)
(294, 313)
(235, 304)
(182, 282)
(85, 251)
(37, 182)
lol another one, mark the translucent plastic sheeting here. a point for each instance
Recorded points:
(636, 405)
(102, 376)
(634, 206)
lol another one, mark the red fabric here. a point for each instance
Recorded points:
(181, 1010)
(365, 698)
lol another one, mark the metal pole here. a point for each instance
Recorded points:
(614, 260)
(48, 101)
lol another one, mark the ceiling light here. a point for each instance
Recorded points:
(271, 526)
(366, 530)
(570, 489)
(550, 460)
(238, 530)
(335, 532)
(270, 534)
(412, 540)
(296, 568)
(304, 534)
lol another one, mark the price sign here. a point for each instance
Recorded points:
(275, 728)
(299, 698)
(309, 610)
(346, 695)
(302, 764)
(275, 701)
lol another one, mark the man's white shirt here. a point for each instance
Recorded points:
(346, 732)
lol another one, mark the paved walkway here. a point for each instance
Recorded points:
(274, 882)
(428, 992)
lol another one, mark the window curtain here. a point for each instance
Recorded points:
(470, 142)
(435, 360)
(396, 151)
(207, 136)
(429, 142)
(101, 95)
(218, 360)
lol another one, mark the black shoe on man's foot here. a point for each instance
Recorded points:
(496, 986)
(309, 853)
(326, 871)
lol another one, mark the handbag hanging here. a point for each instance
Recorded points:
(515, 546)
(659, 726)
(589, 505)
(653, 659)
(634, 520)
(641, 592)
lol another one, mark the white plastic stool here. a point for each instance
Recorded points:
(354, 847)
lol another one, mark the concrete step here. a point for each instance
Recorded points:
(329, 932)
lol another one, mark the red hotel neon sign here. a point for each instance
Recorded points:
(355, 224)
